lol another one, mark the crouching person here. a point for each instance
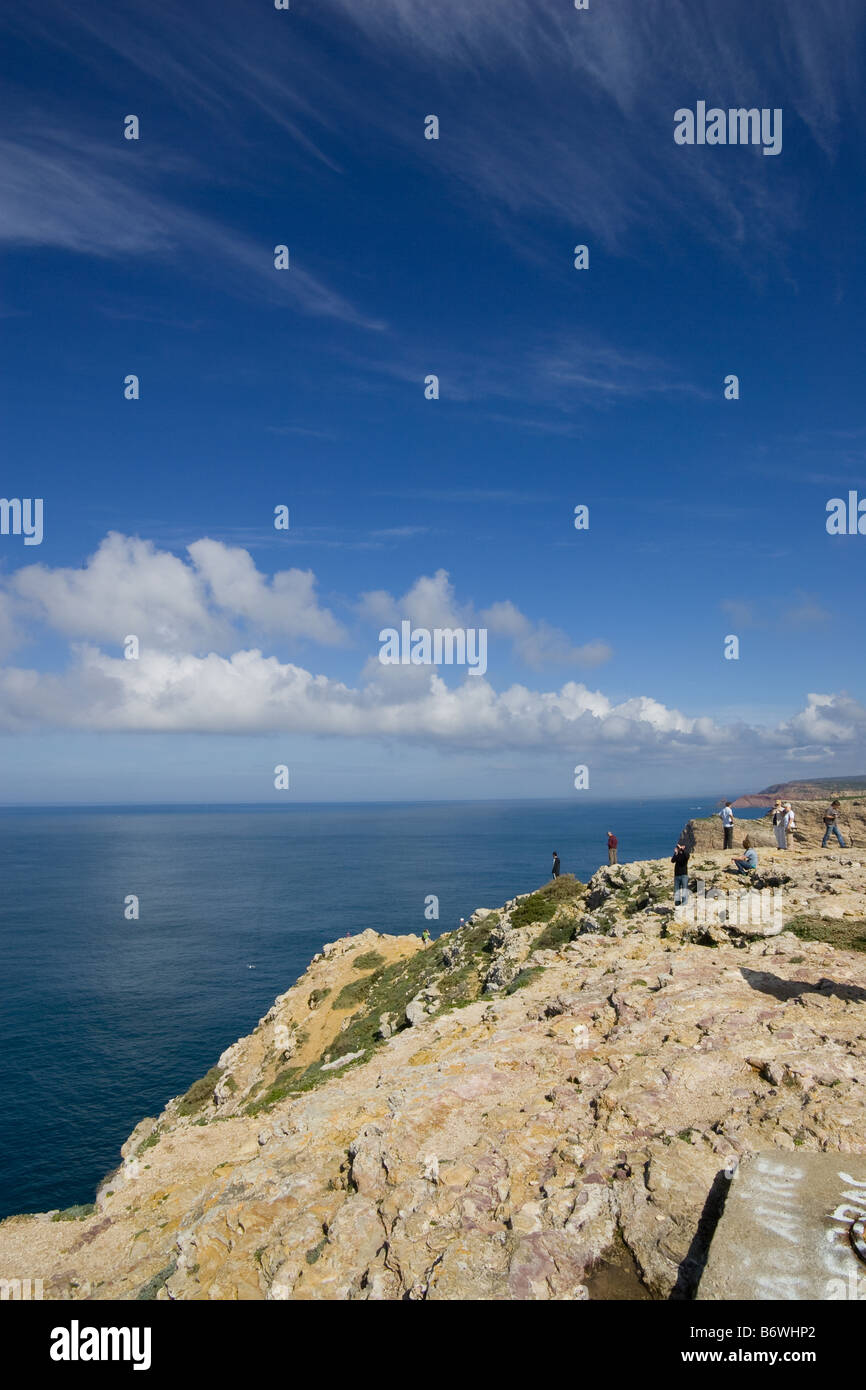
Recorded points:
(748, 862)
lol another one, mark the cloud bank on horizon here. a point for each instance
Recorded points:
(190, 676)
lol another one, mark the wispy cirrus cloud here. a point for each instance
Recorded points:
(560, 374)
(79, 195)
(236, 58)
(548, 113)
(567, 114)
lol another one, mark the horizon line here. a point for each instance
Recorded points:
(399, 801)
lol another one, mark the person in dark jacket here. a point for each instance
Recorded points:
(612, 843)
(680, 861)
(831, 824)
(555, 864)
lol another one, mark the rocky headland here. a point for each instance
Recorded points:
(816, 790)
(536, 1106)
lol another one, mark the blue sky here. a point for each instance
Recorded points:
(305, 388)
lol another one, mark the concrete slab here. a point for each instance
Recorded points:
(785, 1232)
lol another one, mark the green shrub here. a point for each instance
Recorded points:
(79, 1213)
(370, 960)
(151, 1140)
(531, 972)
(355, 992)
(555, 934)
(150, 1290)
(200, 1092)
(540, 906)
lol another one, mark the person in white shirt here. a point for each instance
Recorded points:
(790, 823)
(727, 818)
(779, 825)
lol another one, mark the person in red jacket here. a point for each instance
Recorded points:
(612, 843)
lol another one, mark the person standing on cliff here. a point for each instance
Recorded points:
(831, 824)
(612, 844)
(790, 824)
(779, 825)
(680, 861)
(555, 864)
(727, 818)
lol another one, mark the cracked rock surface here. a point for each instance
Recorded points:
(550, 1123)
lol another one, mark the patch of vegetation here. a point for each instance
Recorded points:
(282, 1086)
(355, 992)
(531, 972)
(370, 960)
(556, 933)
(388, 991)
(312, 1255)
(317, 996)
(150, 1290)
(200, 1092)
(541, 906)
(151, 1139)
(846, 934)
(79, 1213)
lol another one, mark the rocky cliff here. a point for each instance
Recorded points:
(815, 790)
(706, 833)
(538, 1105)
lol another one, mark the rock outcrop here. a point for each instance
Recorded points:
(550, 1121)
(816, 790)
(706, 833)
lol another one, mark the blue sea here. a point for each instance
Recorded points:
(102, 1019)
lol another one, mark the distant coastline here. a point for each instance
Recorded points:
(814, 790)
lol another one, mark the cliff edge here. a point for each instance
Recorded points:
(538, 1105)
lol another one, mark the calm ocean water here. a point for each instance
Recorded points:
(102, 1020)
